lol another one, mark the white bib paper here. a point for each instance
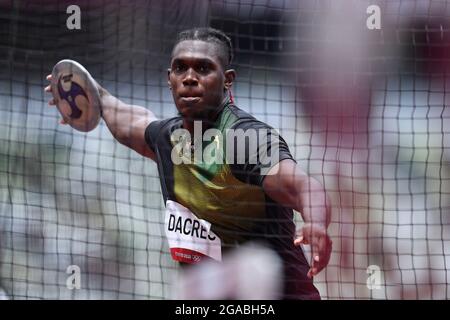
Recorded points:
(190, 238)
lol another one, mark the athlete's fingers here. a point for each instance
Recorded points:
(321, 251)
(48, 88)
(314, 258)
(315, 252)
(62, 121)
(312, 272)
(51, 102)
(49, 77)
(300, 238)
(317, 237)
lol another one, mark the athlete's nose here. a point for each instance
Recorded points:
(190, 78)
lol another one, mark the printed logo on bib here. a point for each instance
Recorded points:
(190, 238)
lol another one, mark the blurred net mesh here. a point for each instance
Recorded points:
(364, 111)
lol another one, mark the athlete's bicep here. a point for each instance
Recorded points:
(126, 122)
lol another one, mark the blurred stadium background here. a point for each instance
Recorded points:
(364, 111)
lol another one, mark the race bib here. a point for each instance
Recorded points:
(190, 238)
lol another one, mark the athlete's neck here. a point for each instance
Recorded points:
(207, 121)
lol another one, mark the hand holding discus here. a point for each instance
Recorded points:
(75, 94)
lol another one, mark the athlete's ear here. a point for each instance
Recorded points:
(230, 75)
(168, 78)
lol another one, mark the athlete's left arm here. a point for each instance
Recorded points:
(290, 186)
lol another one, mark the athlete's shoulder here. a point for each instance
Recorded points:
(244, 120)
(163, 125)
(161, 129)
(238, 113)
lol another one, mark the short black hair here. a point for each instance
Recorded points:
(209, 35)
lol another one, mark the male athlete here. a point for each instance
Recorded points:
(215, 205)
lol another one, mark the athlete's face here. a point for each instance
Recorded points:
(197, 78)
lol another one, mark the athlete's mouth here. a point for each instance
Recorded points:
(192, 99)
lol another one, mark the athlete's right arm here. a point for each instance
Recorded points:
(127, 123)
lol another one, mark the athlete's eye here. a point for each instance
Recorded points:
(203, 68)
(179, 68)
